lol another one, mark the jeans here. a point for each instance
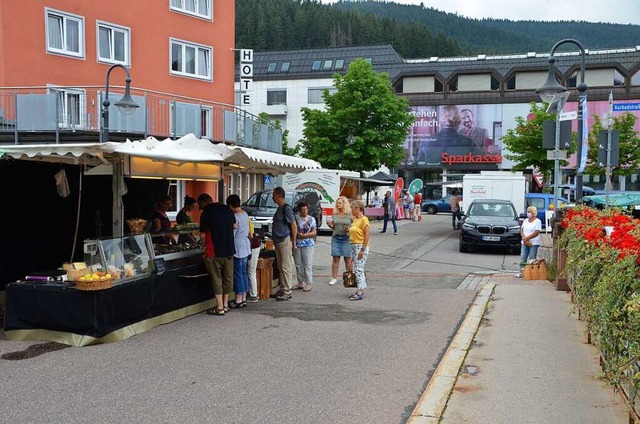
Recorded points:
(303, 257)
(240, 280)
(455, 216)
(393, 221)
(527, 253)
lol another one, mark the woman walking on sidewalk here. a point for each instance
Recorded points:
(340, 222)
(303, 255)
(530, 233)
(359, 237)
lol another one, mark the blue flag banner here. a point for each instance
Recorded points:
(585, 135)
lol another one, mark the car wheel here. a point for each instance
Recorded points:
(463, 247)
(432, 210)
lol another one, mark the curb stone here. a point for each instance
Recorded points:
(431, 404)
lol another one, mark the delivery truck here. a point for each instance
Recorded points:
(328, 183)
(503, 185)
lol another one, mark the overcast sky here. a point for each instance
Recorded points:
(618, 11)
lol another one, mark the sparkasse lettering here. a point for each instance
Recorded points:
(470, 158)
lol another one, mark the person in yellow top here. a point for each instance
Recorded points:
(359, 238)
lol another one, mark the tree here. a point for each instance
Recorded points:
(524, 143)
(629, 146)
(364, 125)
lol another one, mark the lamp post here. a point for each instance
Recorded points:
(125, 105)
(552, 88)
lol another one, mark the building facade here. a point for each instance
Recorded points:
(462, 105)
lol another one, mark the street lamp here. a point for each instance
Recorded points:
(552, 88)
(126, 105)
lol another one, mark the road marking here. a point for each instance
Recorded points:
(434, 398)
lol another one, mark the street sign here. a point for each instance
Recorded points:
(625, 107)
(562, 154)
(568, 116)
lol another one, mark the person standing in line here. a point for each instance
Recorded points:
(389, 213)
(375, 200)
(284, 236)
(243, 250)
(252, 266)
(359, 235)
(340, 222)
(530, 233)
(417, 202)
(217, 224)
(454, 202)
(303, 255)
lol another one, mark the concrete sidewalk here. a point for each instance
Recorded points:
(529, 363)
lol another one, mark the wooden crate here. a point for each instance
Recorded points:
(264, 275)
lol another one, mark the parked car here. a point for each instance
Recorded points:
(260, 207)
(541, 201)
(569, 191)
(434, 206)
(491, 222)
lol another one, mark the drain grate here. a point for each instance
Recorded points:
(33, 351)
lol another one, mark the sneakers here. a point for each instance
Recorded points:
(519, 275)
(333, 282)
(252, 299)
(395, 234)
(284, 296)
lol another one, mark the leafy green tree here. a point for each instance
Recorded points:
(364, 125)
(629, 146)
(525, 142)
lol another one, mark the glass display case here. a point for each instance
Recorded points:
(122, 257)
(182, 241)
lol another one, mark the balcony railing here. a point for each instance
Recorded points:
(72, 114)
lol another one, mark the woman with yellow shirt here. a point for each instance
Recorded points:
(359, 238)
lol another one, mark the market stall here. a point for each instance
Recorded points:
(132, 282)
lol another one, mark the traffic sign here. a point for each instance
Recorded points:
(551, 154)
(568, 116)
(625, 107)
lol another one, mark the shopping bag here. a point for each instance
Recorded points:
(536, 270)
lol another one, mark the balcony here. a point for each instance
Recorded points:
(72, 115)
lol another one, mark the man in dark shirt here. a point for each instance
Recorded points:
(217, 223)
(284, 236)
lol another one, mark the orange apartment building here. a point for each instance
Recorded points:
(54, 56)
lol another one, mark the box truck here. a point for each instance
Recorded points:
(328, 183)
(503, 185)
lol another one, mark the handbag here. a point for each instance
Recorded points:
(536, 270)
(349, 279)
(255, 241)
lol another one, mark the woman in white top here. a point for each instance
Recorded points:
(530, 233)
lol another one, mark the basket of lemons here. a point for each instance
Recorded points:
(95, 281)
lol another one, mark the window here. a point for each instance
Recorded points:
(635, 78)
(327, 64)
(316, 65)
(437, 86)
(65, 33)
(511, 82)
(285, 67)
(368, 60)
(113, 44)
(453, 85)
(339, 64)
(495, 84)
(71, 107)
(206, 117)
(315, 94)
(618, 79)
(276, 97)
(199, 8)
(191, 60)
(272, 67)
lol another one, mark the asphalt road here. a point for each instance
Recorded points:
(318, 358)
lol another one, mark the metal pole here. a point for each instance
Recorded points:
(556, 162)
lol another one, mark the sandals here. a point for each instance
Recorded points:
(215, 311)
(307, 288)
(235, 305)
(356, 296)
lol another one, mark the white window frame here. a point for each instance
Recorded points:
(206, 114)
(65, 18)
(319, 89)
(127, 43)
(179, 6)
(63, 119)
(187, 44)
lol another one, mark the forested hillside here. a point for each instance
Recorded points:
(414, 31)
(304, 24)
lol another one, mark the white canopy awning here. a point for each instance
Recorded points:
(185, 149)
